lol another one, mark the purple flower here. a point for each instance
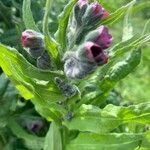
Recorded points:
(35, 126)
(95, 53)
(101, 37)
(104, 39)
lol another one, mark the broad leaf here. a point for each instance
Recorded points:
(93, 119)
(31, 82)
(113, 141)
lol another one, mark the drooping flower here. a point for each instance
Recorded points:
(94, 53)
(101, 37)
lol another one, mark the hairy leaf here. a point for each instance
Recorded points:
(63, 23)
(27, 16)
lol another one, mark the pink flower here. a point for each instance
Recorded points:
(95, 53)
(101, 37)
(104, 39)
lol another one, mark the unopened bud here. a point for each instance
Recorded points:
(44, 61)
(94, 13)
(67, 89)
(79, 11)
(76, 68)
(32, 39)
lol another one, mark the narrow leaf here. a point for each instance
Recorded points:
(63, 23)
(27, 16)
(53, 138)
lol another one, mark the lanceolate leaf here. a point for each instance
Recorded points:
(128, 29)
(93, 119)
(113, 141)
(63, 23)
(123, 68)
(53, 138)
(27, 16)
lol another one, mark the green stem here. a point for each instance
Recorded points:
(50, 43)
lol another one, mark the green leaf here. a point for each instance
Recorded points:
(31, 82)
(27, 16)
(63, 23)
(127, 29)
(123, 68)
(93, 119)
(113, 141)
(31, 141)
(8, 99)
(53, 138)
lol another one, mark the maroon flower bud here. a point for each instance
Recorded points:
(101, 37)
(32, 39)
(98, 10)
(94, 53)
(94, 13)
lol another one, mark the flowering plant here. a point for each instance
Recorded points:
(75, 70)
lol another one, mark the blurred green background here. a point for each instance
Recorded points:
(134, 88)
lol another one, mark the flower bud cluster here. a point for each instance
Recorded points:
(34, 41)
(89, 53)
(68, 89)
